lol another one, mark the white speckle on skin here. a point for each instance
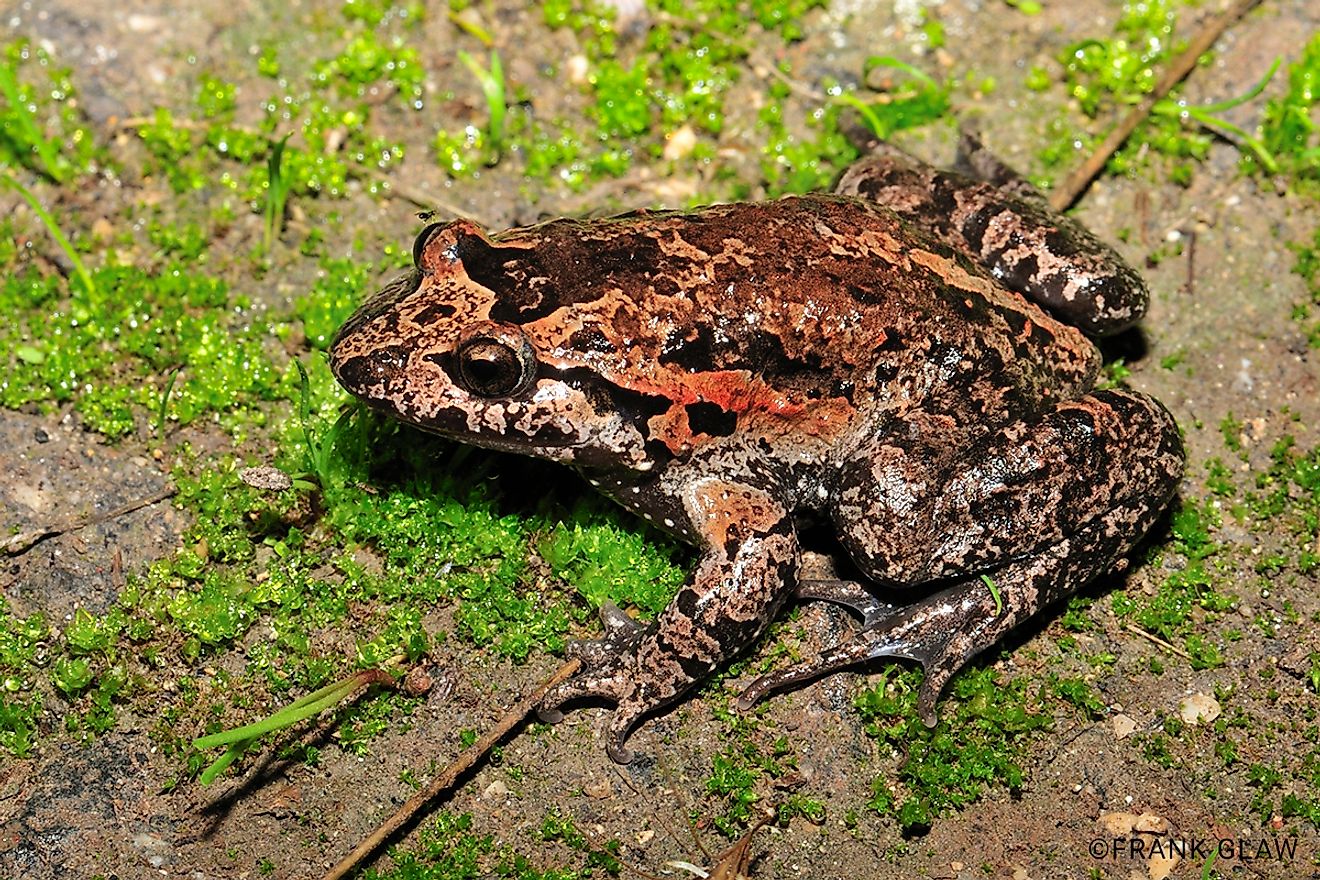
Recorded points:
(668, 522)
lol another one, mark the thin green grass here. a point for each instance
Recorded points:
(30, 135)
(277, 192)
(239, 739)
(1206, 115)
(10, 180)
(919, 101)
(491, 80)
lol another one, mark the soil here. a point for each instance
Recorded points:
(99, 807)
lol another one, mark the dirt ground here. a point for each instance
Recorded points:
(83, 810)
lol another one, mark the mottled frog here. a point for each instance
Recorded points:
(906, 359)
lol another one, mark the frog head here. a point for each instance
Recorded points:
(480, 343)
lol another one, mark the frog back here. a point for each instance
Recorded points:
(797, 316)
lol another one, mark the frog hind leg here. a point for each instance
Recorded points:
(1001, 223)
(622, 637)
(946, 630)
(748, 567)
(1122, 454)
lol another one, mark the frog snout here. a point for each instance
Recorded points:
(369, 373)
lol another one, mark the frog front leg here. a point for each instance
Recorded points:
(1022, 519)
(749, 564)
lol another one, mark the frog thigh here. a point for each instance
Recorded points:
(1135, 458)
(1048, 257)
(920, 506)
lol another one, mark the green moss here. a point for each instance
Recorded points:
(733, 780)
(604, 560)
(368, 59)
(983, 730)
(1172, 611)
(327, 117)
(1075, 617)
(793, 165)
(1231, 430)
(1219, 479)
(1307, 265)
(336, 292)
(1156, 749)
(1080, 694)
(90, 634)
(680, 77)
(110, 351)
(1287, 497)
(1106, 75)
(604, 855)
(23, 654)
(751, 762)
(367, 719)
(71, 675)
(448, 848)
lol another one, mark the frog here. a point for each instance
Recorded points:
(908, 361)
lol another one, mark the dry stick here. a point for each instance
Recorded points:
(446, 778)
(1138, 631)
(23, 541)
(1062, 198)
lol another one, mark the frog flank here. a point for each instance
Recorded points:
(907, 359)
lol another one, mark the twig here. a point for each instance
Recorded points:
(767, 69)
(1138, 631)
(446, 778)
(1068, 192)
(24, 541)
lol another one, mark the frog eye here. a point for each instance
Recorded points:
(490, 366)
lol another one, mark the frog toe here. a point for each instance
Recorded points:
(849, 594)
(608, 665)
(622, 634)
(616, 685)
(613, 684)
(549, 716)
(621, 725)
(605, 673)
